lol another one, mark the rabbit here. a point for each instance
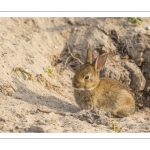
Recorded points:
(91, 91)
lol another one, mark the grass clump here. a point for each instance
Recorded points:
(23, 72)
(49, 71)
(135, 20)
(116, 128)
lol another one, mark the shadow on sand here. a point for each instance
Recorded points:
(54, 103)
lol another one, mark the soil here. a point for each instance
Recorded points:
(36, 93)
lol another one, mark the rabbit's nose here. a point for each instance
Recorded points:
(76, 84)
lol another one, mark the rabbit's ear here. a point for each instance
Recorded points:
(100, 61)
(89, 56)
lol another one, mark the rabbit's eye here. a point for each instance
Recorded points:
(86, 77)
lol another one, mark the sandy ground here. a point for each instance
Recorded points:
(42, 101)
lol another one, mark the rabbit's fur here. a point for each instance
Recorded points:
(106, 94)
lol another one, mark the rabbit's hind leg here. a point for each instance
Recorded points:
(118, 113)
(124, 106)
(121, 113)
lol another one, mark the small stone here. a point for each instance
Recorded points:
(48, 121)
(148, 88)
(1, 119)
(33, 112)
(40, 122)
(16, 127)
(71, 21)
(12, 130)
(34, 129)
(140, 105)
(148, 28)
(146, 109)
(18, 115)
(2, 126)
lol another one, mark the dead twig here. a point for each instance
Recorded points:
(67, 60)
(74, 56)
(50, 111)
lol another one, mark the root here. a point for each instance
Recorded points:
(67, 60)
(71, 55)
(50, 111)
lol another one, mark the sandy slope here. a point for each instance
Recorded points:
(34, 105)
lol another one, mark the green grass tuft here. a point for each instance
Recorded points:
(116, 128)
(49, 71)
(137, 20)
(23, 72)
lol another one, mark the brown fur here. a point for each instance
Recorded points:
(105, 93)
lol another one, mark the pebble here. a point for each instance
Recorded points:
(16, 127)
(147, 109)
(48, 121)
(34, 129)
(140, 105)
(12, 130)
(71, 21)
(1, 119)
(148, 88)
(148, 28)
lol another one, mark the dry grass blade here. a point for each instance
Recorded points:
(116, 128)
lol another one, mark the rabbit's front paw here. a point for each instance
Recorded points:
(109, 114)
(87, 105)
